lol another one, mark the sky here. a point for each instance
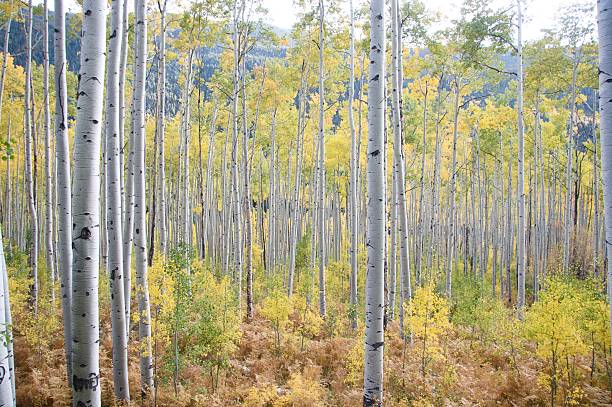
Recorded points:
(539, 14)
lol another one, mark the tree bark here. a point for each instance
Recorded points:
(140, 231)
(113, 207)
(604, 19)
(375, 296)
(86, 209)
(321, 165)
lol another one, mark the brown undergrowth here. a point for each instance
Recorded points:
(263, 374)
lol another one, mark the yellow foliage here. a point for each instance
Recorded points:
(354, 364)
(276, 308)
(428, 321)
(304, 392)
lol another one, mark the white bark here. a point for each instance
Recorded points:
(7, 384)
(604, 23)
(398, 152)
(140, 231)
(28, 147)
(161, 134)
(321, 165)
(86, 209)
(64, 190)
(353, 180)
(375, 296)
(47, 130)
(113, 207)
(520, 239)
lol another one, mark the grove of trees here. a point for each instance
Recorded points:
(382, 205)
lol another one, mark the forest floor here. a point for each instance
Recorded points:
(324, 371)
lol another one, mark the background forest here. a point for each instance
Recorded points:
(198, 208)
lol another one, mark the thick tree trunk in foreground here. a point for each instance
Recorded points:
(7, 384)
(86, 209)
(604, 24)
(375, 295)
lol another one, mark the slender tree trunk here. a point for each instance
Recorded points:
(247, 204)
(127, 183)
(235, 184)
(47, 134)
(298, 179)
(520, 239)
(29, 166)
(7, 33)
(64, 190)
(321, 165)
(113, 208)
(568, 221)
(453, 204)
(400, 179)
(354, 210)
(140, 231)
(374, 335)
(161, 134)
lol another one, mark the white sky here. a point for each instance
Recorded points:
(539, 14)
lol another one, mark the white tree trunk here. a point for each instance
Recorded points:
(7, 384)
(29, 180)
(321, 165)
(161, 134)
(520, 239)
(354, 210)
(375, 295)
(86, 209)
(140, 231)
(64, 190)
(398, 152)
(113, 206)
(7, 33)
(47, 135)
(451, 238)
(604, 24)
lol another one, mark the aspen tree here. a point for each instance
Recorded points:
(321, 162)
(604, 25)
(113, 206)
(520, 239)
(48, 161)
(29, 166)
(7, 384)
(396, 73)
(86, 209)
(354, 162)
(64, 190)
(140, 231)
(374, 336)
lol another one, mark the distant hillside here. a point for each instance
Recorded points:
(210, 56)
